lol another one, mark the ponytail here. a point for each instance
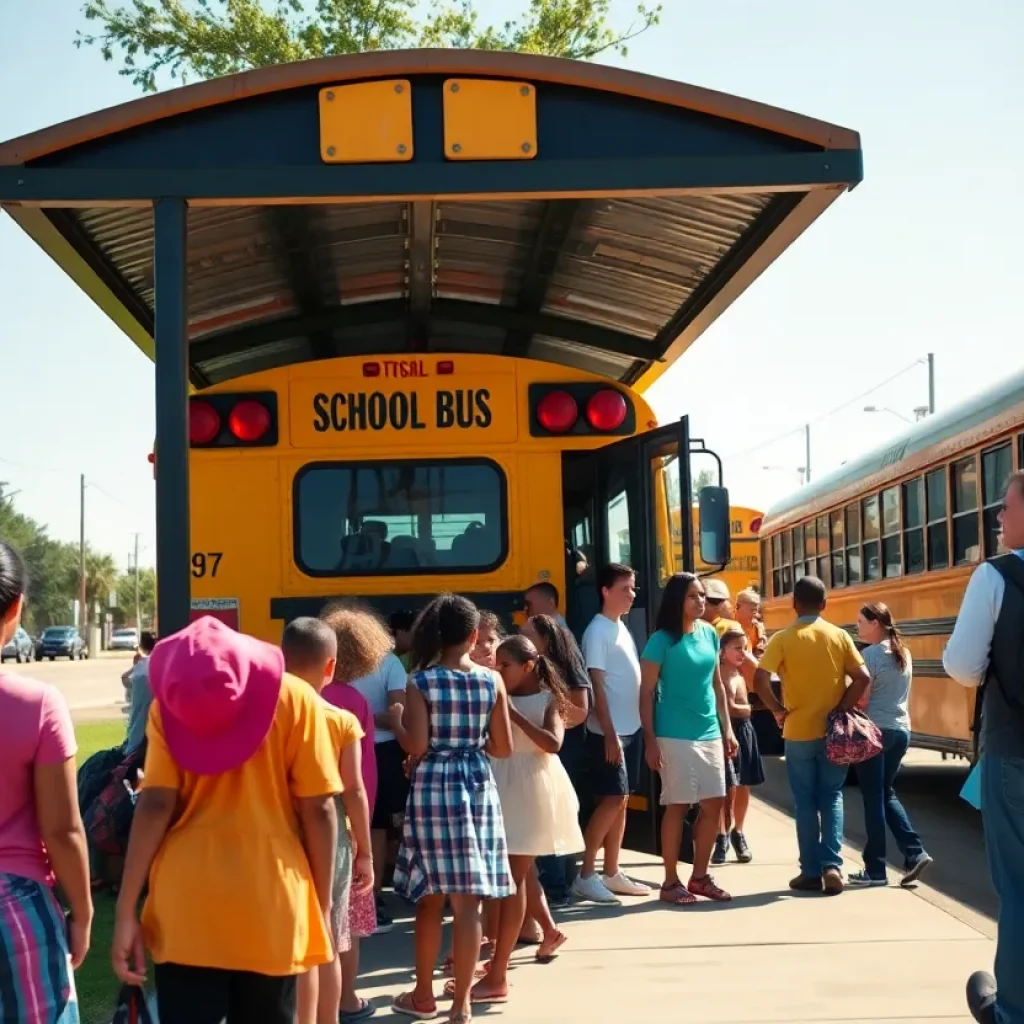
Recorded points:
(898, 648)
(522, 652)
(448, 621)
(878, 612)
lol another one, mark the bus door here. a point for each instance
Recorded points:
(639, 484)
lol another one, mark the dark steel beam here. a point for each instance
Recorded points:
(170, 272)
(422, 220)
(238, 340)
(556, 224)
(568, 178)
(292, 232)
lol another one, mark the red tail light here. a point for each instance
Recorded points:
(371, 369)
(755, 524)
(203, 422)
(249, 421)
(445, 366)
(557, 412)
(606, 410)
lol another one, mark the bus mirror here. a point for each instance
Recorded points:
(714, 526)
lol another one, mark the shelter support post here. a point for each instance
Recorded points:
(170, 258)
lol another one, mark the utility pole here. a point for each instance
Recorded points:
(807, 453)
(81, 554)
(931, 383)
(138, 611)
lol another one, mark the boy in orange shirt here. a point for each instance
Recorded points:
(239, 754)
(311, 652)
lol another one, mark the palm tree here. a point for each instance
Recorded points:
(100, 580)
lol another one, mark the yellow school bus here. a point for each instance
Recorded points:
(906, 525)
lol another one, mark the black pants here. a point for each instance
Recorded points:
(204, 995)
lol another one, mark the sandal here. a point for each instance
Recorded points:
(449, 991)
(479, 972)
(365, 1012)
(676, 894)
(459, 1018)
(407, 1005)
(547, 951)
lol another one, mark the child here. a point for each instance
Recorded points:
(310, 652)
(453, 839)
(238, 894)
(400, 623)
(746, 769)
(363, 643)
(538, 803)
(490, 635)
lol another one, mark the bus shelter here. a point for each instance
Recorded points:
(408, 202)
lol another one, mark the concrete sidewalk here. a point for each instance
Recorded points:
(770, 955)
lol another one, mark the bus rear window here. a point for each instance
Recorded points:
(400, 518)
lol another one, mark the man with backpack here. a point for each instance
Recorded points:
(986, 650)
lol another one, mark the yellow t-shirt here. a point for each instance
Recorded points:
(722, 626)
(812, 658)
(345, 730)
(231, 886)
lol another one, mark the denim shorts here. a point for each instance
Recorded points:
(614, 779)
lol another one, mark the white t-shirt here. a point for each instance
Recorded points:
(608, 646)
(390, 678)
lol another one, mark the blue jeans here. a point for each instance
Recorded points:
(882, 806)
(1002, 811)
(556, 875)
(817, 787)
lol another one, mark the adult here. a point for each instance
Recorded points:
(542, 599)
(136, 681)
(555, 642)
(718, 606)
(614, 744)
(813, 658)
(985, 651)
(891, 669)
(685, 718)
(383, 688)
(41, 837)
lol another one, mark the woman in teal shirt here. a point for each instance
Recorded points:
(687, 733)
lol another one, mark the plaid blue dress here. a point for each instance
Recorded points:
(453, 840)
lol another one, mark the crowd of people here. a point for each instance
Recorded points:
(474, 746)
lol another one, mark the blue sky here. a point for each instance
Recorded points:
(921, 257)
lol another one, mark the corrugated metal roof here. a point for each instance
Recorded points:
(592, 284)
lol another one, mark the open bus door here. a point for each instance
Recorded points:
(643, 518)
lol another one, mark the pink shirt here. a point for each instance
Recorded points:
(35, 728)
(348, 698)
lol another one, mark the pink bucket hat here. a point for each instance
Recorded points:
(218, 691)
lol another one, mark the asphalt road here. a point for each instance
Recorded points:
(92, 688)
(950, 828)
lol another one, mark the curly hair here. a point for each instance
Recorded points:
(363, 639)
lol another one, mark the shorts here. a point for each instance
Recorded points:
(362, 914)
(38, 979)
(747, 767)
(341, 887)
(614, 779)
(392, 785)
(692, 770)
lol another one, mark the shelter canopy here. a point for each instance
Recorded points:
(635, 211)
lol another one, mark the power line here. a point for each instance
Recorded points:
(824, 416)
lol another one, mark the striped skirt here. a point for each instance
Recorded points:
(36, 981)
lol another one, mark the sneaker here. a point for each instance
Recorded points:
(706, 887)
(559, 902)
(384, 921)
(981, 997)
(916, 869)
(739, 844)
(832, 880)
(621, 885)
(721, 851)
(862, 880)
(806, 883)
(593, 890)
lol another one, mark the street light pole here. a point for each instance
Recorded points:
(807, 454)
(81, 553)
(931, 383)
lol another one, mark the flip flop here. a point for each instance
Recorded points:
(365, 1012)
(555, 945)
(406, 1005)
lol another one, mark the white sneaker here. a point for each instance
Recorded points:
(621, 885)
(593, 890)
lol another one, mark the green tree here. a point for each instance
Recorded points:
(100, 581)
(703, 478)
(125, 611)
(188, 39)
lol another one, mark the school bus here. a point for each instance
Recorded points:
(404, 308)
(906, 524)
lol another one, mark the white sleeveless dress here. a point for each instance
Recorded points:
(538, 802)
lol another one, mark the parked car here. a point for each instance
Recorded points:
(124, 639)
(63, 642)
(19, 647)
